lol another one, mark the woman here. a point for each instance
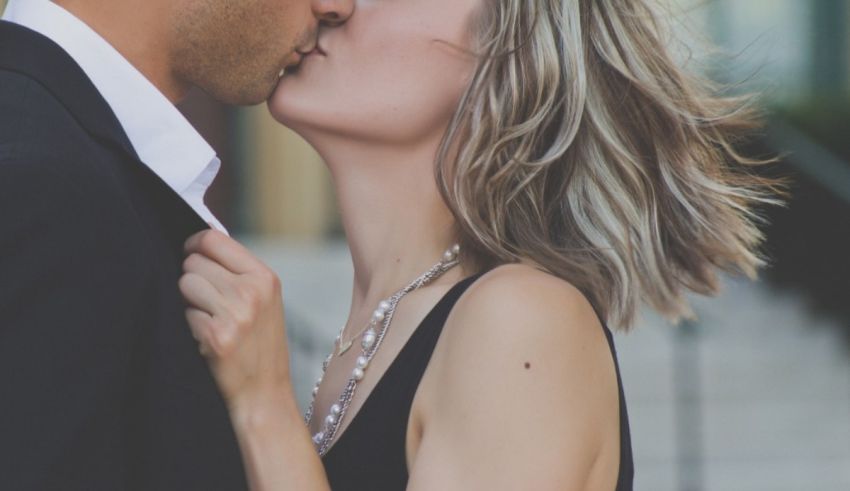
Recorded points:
(569, 170)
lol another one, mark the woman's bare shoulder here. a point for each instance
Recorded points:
(521, 313)
(519, 292)
(524, 378)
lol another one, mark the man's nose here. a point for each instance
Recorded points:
(333, 12)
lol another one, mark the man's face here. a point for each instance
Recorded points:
(235, 49)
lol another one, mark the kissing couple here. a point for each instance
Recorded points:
(513, 176)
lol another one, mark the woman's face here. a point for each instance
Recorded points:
(393, 73)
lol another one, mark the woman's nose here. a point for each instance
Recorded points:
(333, 12)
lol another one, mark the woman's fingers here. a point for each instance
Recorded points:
(237, 302)
(224, 250)
(236, 314)
(222, 279)
(200, 324)
(235, 311)
(215, 337)
(202, 295)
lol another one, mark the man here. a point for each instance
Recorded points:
(101, 182)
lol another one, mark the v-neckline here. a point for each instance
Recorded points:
(397, 359)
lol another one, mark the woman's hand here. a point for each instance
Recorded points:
(235, 311)
(236, 314)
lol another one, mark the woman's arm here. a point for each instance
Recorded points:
(523, 393)
(525, 397)
(276, 446)
(236, 314)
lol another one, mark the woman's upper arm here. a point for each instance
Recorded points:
(525, 393)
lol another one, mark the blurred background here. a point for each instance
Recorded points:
(753, 396)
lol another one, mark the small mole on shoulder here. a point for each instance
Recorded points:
(527, 365)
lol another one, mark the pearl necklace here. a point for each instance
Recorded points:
(369, 342)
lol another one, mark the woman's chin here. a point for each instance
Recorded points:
(278, 104)
(288, 106)
(298, 109)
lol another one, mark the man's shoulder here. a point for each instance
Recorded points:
(41, 142)
(17, 89)
(30, 113)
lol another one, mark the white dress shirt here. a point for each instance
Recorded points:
(164, 140)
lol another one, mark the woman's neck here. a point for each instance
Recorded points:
(395, 220)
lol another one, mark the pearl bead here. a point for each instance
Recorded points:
(358, 374)
(315, 391)
(378, 316)
(456, 249)
(336, 409)
(369, 339)
(330, 420)
(362, 362)
(384, 305)
(319, 437)
(448, 256)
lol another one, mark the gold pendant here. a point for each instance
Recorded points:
(344, 347)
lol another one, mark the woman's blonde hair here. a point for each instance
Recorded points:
(583, 146)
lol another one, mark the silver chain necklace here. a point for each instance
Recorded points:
(370, 341)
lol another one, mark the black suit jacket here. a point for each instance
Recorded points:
(101, 383)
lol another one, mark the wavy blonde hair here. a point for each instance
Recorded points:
(582, 145)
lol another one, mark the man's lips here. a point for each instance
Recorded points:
(316, 50)
(291, 64)
(301, 56)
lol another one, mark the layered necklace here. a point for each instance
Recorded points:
(371, 338)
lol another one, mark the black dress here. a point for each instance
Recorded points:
(370, 453)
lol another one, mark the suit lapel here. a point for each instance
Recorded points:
(29, 53)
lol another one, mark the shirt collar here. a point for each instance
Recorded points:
(162, 137)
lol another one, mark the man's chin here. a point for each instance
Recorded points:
(256, 97)
(244, 96)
